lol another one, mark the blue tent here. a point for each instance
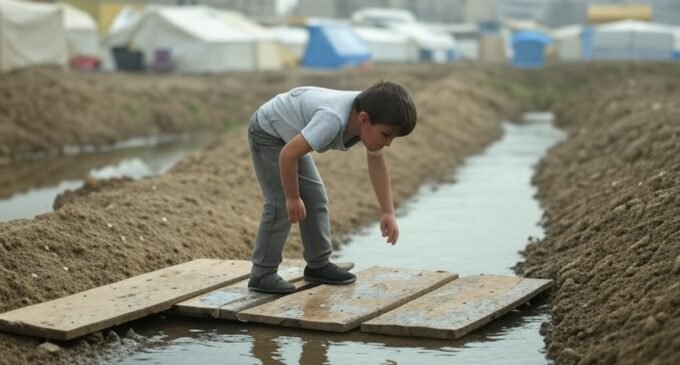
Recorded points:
(334, 46)
(528, 47)
(676, 55)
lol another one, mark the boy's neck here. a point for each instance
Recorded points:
(352, 128)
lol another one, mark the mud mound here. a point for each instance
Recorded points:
(611, 193)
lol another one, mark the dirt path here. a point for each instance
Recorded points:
(208, 205)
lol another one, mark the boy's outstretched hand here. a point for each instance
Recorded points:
(389, 228)
(296, 210)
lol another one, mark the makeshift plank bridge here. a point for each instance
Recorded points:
(384, 300)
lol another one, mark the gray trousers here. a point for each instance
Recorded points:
(274, 227)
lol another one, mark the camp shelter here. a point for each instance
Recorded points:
(81, 31)
(568, 42)
(632, 40)
(606, 13)
(529, 49)
(432, 46)
(292, 41)
(387, 46)
(31, 34)
(334, 45)
(267, 52)
(197, 38)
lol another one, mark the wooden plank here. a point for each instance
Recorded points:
(340, 308)
(458, 308)
(226, 302)
(92, 310)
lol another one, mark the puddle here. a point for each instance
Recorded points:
(29, 187)
(476, 225)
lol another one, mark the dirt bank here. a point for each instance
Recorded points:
(208, 205)
(611, 194)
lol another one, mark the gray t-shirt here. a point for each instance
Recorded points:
(319, 114)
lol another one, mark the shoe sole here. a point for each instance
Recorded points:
(271, 291)
(329, 282)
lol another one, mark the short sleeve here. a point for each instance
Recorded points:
(322, 130)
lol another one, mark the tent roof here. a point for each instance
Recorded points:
(76, 19)
(294, 35)
(245, 24)
(531, 36)
(424, 36)
(380, 35)
(200, 22)
(567, 31)
(634, 26)
(20, 10)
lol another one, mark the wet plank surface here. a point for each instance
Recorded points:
(123, 301)
(226, 302)
(458, 308)
(340, 308)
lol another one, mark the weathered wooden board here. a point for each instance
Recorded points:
(458, 308)
(340, 308)
(126, 300)
(226, 302)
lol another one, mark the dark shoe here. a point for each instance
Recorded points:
(270, 283)
(329, 274)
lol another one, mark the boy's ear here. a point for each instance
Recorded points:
(364, 118)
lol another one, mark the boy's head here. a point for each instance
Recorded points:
(388, 103)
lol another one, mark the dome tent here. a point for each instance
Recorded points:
(334, 45)
(528, 49)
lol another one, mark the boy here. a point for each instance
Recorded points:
(281, 134)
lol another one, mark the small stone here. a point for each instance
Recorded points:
(662, 317)
(65, 268)
(96, 337)
(122, 238)
(109, 225)
(165, 220)
(112, 336)
(651, 325)
(141, 238)
(34, 275)
(676, 265)
(570, 353)
(49, 347)
(47, 248)
(133, 335)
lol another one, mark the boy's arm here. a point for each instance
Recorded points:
(288, 164)
(380, 179)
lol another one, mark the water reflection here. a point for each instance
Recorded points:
(28, 188)
(206, 341)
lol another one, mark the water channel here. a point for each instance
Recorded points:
(29, 187)
(475, 225)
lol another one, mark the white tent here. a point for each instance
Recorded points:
(433, 46)
(198, 38)
(267, 51)
(31, 34)
(293, 39)
(568, 42)
(632, 40)
(81, 31)
(388, 46)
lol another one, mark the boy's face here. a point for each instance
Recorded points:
(375, 136)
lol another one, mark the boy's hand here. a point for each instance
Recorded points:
(389, 228)
(296, 210)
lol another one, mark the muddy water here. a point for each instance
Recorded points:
(29, 188)
(475, 225)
